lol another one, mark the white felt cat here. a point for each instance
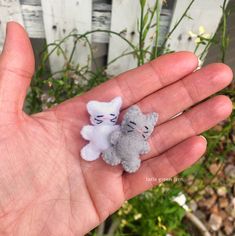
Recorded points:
(103, 117)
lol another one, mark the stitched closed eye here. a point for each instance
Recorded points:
(99, 118)
(114, 119)
(147, 129)
(132, 122)
(98, 121)
(130, 126)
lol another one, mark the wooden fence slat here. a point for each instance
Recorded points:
(203, 13)
(124, 19)
(33, 20)
(61, 18)
(9, 11)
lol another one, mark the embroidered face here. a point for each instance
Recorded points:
(104, 113)
(135, 122)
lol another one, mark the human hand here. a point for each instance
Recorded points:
(45, 186)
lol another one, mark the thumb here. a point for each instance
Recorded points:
(16, 70)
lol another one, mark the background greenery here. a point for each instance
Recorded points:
(154, 212)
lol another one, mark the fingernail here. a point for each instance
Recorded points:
(203, 137)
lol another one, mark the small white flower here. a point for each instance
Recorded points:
(200, 36)
(181, 200)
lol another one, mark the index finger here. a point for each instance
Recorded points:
(138, 83)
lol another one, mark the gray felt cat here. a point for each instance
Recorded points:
(130, 141)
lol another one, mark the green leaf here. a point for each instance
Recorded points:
(142, 3)
(146, 16)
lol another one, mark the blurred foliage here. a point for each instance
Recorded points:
(154, 212)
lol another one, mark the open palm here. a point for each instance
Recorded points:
(45, 186)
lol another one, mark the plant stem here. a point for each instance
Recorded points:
(205, 50)
(155, 46)
(100, 229)
(81, 36)
(224, 44)
(141, 59)
(125, 54)
(176, 25)
(113, 227)
(196, 48)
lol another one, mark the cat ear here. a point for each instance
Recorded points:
(133, 111)
(117, 101)
(92, 106)
(152, 118)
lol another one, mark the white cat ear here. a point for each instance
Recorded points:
(91, 106)
(117, 101)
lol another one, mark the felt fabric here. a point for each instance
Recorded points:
(130, 141)
(103, 117)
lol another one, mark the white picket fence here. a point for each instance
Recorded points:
(54, 19)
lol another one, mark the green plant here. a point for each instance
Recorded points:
(154, 212)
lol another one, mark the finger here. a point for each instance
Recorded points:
(156, 170)
(136, 84)
(193, 122)
(190, 90)
(16, 69)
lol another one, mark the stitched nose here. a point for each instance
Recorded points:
(139, 130)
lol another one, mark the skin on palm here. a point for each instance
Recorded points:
(46, 188)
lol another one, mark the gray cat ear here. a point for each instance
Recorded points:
(117, 101)
(134, 110)
(91, 106)
(152, 118)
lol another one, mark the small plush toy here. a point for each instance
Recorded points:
(103, 117)
(130, 141)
